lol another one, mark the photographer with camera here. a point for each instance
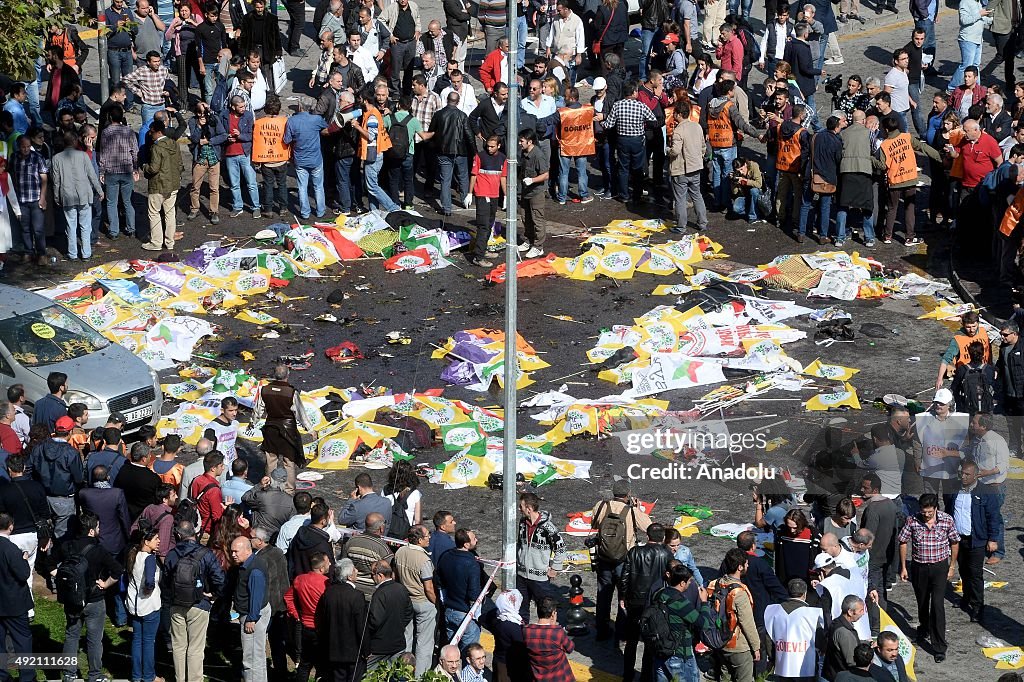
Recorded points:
(852, 99)
(747, 184)
(617, 522)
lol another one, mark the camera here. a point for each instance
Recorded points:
(833, 85)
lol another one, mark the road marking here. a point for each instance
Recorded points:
(582, 672)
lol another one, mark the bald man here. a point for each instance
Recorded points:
(448, 663)
(251, 601)
(366, 549)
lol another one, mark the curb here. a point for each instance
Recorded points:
(966, 296)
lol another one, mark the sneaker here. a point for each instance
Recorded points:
(193, 214)
(863, 21)
(870, 243)
(256, 214)
(913, 241)
(114, 237)
(605, 195)
(800, 239)
(480, 262)
(840, 243)
(586, 200)
(152, 247)
(215, 219)
(841, 18)
(235, 214)
(887, 240)
(834, 62)
(561, 202)
(535, 252)
(524, 247)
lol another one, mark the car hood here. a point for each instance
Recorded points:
(106, 374)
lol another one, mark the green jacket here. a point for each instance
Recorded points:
(754, 178)
(164, 168)
(683, 619)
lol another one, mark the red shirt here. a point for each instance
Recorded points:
(548, 647)
(211, 504)
(489, 170)
(980, 158)
(303, 596)
(233, 148)
(731, 55)
(9, 440)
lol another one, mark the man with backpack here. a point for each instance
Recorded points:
(643, 573)
(616, 522)
(670, 623)
(206, 493)
(58, 467)
(733, 604)
(973, 384)
(84, 573)
(194, 579)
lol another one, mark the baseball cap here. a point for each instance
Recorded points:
(944, 396)
(116, 418)
(65, 424)
(671, 38)
(600, 83)
(620, 488)
(824, 559)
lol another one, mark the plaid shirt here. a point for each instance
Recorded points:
(628, 117)
(148, 84)
(424, 108)
(119, 150)
(548, 647)
(27, 175)
(930, 544)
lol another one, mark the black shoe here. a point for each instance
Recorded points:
(939, 658)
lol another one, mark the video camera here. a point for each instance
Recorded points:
(834, 85)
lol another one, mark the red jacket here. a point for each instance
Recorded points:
(490, 70)
(978, 93)
(980, 158)
(211, 504)
(302, 597)
(731, 55)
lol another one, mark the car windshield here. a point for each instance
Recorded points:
(48, 336)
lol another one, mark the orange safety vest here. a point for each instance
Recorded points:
(576, 131)
(787, 156)
(383, 139)
(1012, 216)
(63, 41)
(900, 161)
(173, 476)
(963, 341)
(268, 140)
(695, 113)
(720, 132)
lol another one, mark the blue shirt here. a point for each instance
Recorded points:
(440, 542)
(48, 410)
(235, 487)
(257, 590)
(459, 575)
(684, 555)
(302, 132)
(17, 110)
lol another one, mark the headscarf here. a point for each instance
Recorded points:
(508, 606)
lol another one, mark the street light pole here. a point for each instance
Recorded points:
(101, 48)
(508, 494)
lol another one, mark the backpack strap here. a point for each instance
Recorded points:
(606, 506)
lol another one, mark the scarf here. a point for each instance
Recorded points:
(101, 484)
(508, 606)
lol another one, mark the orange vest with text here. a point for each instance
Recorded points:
(787, 156)
(900, 160)
(268, 140)
(383, 139)
(963, 341)
(720, 132)
(576, 131)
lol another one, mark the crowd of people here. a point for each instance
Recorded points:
(391, 99)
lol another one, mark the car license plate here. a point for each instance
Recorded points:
(139, 414)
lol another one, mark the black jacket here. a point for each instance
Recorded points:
(390, 611)
(798, 54)
(611, 28)
(880, 674)
(652, 13)
(277, 576)
(1010, 369)
(307, 541)
(828, 154)
(13, 496)
(1000, 127)
(643, 572)
(101, 564)
(340, 619)
(839, 645)
(58, 466)
(111, 507)
(260, 33)
(485, 120)
(451, 131)
(455, 14)
(139, 484)
(14, 574)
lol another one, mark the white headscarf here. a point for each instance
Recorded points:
(508, 606)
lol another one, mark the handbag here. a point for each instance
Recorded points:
(818, 184)
(595, 47)
(280, 76)
(44, 527)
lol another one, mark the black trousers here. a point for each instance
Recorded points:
(277, 634)
(632, 633)
(486, 213)
(929, 581)
(607, 580)
(1014, 410)
(533, 591)
(1006, 50)
(296, 24)
(339, 672)
(971, 562)
(309, 655)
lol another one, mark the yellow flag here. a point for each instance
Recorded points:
(836, 372)
(907, 650)
(840, 397)
(256, 317)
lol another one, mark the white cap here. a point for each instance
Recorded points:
(824, 559)
(600, 83)
(944, 396)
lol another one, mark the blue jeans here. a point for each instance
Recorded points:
(449, 164)
(812, 111)
(736, 5)
(676, 669)
(604, 164)
(32, 89)
(452, 620)
(747, 205)
(970, 55)
(143, 646)
(869, 225)
(350, 189)
(825, 206)
(920, 125)
(79, 220)
(120, 64)
(521, 33)
(149, 111)
(1001, 498)
(822, 46)
(209, 82)
(33, 228)
(721, 166)
(377, 195)
(580, 163)
(240, 165)
(302, 176)
(646, 40)
(118, 188)
(929, 36)
(631, 159)
(93, 618)
(401, 181)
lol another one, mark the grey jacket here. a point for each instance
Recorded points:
(688, 146)
(74, 178)
(857, 156)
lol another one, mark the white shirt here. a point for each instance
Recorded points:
(568, 34)
(780, 40)
(467, 98)
(22, 424)
(364, 59)
(227, 437)
(962, 512)
(260, 88)
(898, 80)
(993, 453)
(290, 527)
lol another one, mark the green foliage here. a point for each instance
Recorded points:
(23, 27)
(396, 671)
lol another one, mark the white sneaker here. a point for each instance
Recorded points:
(535, 252)
(834, 62)
(525, 246)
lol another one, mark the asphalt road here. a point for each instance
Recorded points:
(431, 307)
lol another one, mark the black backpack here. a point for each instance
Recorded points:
(187, 583)
(146, 526)
(72, 581)
(656, 630)
(399, 526)
(612, 533)
(718, 636)
(974, 395)
(399, 133)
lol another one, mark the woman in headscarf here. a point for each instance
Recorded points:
(506, 624)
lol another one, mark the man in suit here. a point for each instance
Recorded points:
(138, 481)
(975, 511)
(485, 119)
(390, 612)
(340, 616)
(798, 54)
(110, 506)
